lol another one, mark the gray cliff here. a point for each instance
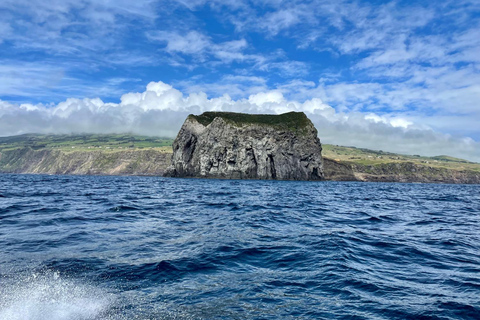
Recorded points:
(246, 146)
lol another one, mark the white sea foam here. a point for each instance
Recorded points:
(53, 297)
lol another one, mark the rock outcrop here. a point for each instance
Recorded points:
(411, 172)
(338, 171)
(245, 146)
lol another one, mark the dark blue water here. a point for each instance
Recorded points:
(153, 248)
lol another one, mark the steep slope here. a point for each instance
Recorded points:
(49, 161)
(244, 146)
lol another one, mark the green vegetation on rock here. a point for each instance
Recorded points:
(292, 120)
(366, 157)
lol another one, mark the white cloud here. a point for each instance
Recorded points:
(52, 81)
(394, 122)
(71, 27)
(214, 4)
(191, 43)
(377, 27)
(287, 68)
(203, 48)
(279, 20)
(236, 86)
(20, 79)
(270, 97)
(161, 109)
(5, 31)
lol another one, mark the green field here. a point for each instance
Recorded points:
(293, 121)
(372, 157)
(106, 142)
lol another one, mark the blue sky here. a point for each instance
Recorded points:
(402, 76)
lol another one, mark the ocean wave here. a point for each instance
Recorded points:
(156, 248)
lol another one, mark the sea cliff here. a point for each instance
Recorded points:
(84, 162)
(245, 146)
(137, 155)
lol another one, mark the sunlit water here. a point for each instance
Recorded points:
(154, 248)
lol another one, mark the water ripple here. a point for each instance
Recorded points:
(79, 247)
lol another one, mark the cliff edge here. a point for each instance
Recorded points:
(247, 146)
(96, 162)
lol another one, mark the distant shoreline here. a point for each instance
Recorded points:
(161, 176)
(128, 155)
(333, 173)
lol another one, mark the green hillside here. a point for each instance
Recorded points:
(75, 142)
(141, 155)
(362, 156)
(112, 142)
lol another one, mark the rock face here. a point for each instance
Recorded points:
(244, 146)
(337, 171)
(411, 172)
(48, 161)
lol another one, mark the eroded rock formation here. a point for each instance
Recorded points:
(245, 146)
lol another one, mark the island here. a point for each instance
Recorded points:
(232, 145)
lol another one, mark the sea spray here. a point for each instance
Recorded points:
(49, 295)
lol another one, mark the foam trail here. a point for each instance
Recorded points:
(49, 296)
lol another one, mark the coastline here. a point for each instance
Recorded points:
(154, 162)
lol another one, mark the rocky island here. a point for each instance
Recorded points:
(247, 146)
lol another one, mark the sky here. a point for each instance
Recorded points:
(399, 76)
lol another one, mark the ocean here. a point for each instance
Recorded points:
(99, 247)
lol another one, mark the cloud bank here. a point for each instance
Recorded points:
(161, 109)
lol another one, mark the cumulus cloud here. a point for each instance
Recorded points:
(161, 109)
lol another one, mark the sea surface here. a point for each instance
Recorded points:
(89, 247)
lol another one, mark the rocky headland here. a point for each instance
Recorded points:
(247, 146)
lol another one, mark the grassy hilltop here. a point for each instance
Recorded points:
(86, 142)
(126, 154)
(293, 121)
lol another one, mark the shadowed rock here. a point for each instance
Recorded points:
(246, 146)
